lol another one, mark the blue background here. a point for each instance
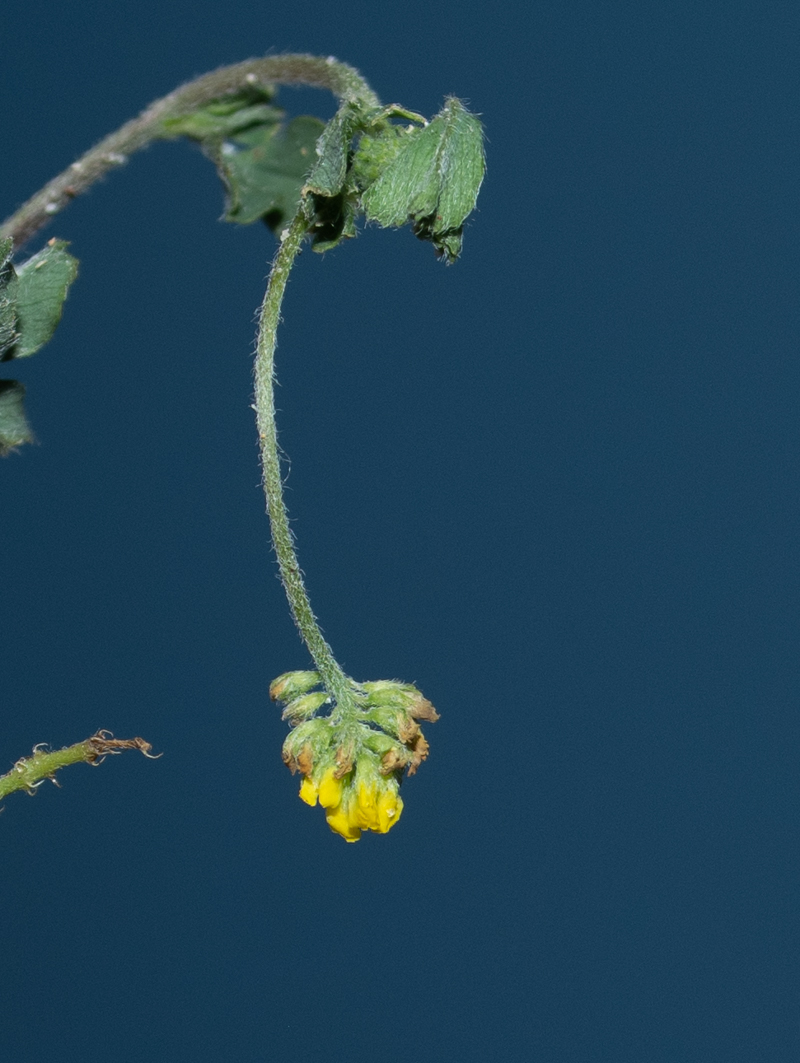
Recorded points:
(556, 486)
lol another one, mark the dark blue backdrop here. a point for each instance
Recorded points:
(556, 486)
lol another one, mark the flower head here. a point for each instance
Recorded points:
(352, 761)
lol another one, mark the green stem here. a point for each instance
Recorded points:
(342, 80)
(335, 680)
(348, 85)
(30, 772)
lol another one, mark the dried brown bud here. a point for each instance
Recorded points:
(419, 752)
(422, 709)
(407, 730)
(305, 760)
(394, 760)
(344, 761)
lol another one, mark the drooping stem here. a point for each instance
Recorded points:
(348, 85)
(342, 80)
(336, 682)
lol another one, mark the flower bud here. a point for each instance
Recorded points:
(388, 692)
(291, 684)
(304, 707)
(306, 745)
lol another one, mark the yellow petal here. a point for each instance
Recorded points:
(308, 792)
(330, 790)
(340, 822)
(390, 805)
(365, 811)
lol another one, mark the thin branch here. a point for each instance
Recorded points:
(30, 772)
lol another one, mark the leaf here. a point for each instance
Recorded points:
(41, 288)
(226, 116)
(8, 299)
(433, 181)
(333, 150)
(334, 220)
(14, 428)
(263, 170)
(376, 149)
(333, 188)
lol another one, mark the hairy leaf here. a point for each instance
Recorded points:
(376, 149)
(263, 170)
(433, 181)
(332, 152)
(226, 116)
(41, 288)
(14, 428)
(8, 299)
(334, 220)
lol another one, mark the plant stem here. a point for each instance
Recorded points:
(348, 85)
(30, 772)
(342, 80)
(334, 679)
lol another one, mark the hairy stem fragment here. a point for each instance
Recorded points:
(30, 772)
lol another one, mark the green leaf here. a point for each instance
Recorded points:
(41, 288)
(263, 170)
(433, 181)
(14, 428)
(8, 299)
(332, 152)
(376, 149)
(334, 220)
(225, 117)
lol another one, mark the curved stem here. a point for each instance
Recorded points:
(335, 680)
(342, 80)
(348, 85)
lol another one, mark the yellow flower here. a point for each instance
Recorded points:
(330, 790)
(368, 802)
(365, 812)
(390, 805)
(341, 821)
(308, 791)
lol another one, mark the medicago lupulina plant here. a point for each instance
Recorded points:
(351, 742)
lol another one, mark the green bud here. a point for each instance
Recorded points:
(304, 707)
(394, 722)
(307, 744)
(291, 684)
(391, 692)
(402, 696)
(380, 743)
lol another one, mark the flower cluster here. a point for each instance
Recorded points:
(353, 759)
(356, 802)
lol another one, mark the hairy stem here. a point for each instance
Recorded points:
(30, 772)
(336, 682)
(342, 80)
(348, 85)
